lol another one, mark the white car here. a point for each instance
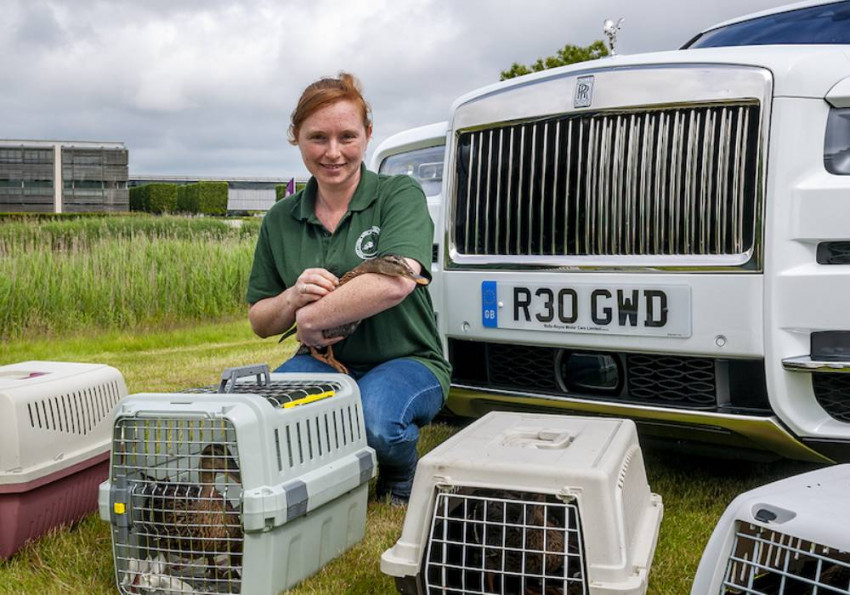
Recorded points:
(664, 237)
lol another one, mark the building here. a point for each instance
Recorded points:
(244, 194)
(53, 176)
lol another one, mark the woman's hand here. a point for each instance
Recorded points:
(311, 285)
(274, 315)
(311, 336)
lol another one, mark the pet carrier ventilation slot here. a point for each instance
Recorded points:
(55, 427)
(524, 503)
(248, 491)
(788, 537)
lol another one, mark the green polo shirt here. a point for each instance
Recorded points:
(387, 215)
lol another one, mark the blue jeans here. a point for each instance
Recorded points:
(399, 396)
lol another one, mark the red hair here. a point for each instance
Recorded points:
(325, 92)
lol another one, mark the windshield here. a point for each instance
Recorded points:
(824, 24)
(426, 165)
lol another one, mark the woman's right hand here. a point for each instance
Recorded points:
(311, 285)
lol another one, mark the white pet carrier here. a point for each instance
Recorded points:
(788, 537)
(55, 432)
(247, 491)
(522, 503)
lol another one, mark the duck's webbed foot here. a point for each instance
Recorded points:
(328, 358)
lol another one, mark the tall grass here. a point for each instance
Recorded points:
(64, 276)
(77, 234)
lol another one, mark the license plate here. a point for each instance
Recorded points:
(643, 310)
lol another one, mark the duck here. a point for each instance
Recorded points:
(193, 520)
(525, 545)
(391, 265)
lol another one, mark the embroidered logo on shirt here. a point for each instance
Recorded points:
(367, 244)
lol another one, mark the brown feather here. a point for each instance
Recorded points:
(391, 265)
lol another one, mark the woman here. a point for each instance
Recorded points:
(345, 215)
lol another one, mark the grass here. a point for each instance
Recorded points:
(138, 293)
(79, 559)
(64, 276)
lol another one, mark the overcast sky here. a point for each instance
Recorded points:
(205, 87)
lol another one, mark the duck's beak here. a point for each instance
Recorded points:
(420, 280)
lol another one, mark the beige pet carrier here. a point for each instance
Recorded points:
(521, 503)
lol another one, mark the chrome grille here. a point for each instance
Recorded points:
(765, 562)
(500, 541)
(678, 181)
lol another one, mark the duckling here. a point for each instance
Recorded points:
(391, 265)
(193, 520)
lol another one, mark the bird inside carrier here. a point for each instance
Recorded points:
(184, 489)
(789, 537)
(244, 492)
(521, 503)
(489, 540)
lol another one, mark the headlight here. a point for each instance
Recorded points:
(836, 148)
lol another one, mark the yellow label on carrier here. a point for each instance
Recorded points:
(119, 508)
(309, 399)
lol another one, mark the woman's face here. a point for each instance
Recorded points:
(332, 142)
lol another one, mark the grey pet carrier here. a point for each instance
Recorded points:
(245, 491)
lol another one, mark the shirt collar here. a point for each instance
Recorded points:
(304, 209)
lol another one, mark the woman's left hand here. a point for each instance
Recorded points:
(312, 337)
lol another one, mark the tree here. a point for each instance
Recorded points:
(569, 54)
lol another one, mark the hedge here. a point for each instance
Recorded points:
(209, 198)
(154, 198)
(187, 198)
(212, 197)
(280, 192)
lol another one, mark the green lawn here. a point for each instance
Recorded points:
(79, 560)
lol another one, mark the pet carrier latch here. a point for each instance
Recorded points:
(231, 375)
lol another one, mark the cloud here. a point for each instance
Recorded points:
(206, 86)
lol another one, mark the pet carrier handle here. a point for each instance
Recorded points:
(231, 375)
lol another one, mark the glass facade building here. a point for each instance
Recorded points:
(63, 177)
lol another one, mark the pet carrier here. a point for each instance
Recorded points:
(56, 421)
(524, 503)
(245, 491)
(788, 537)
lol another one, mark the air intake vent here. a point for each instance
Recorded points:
(832, 392)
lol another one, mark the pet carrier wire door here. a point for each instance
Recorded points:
(249, 491)
(790, 537)
(55, 432)
(523, 503)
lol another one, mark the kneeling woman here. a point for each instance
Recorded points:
(344, 216)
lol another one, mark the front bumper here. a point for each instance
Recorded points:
(710, 428)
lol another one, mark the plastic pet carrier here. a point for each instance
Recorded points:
(245, 488)
(55, 428)
(789, 537)
(523, 503)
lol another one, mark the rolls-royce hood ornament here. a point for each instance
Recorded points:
(610, 28)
